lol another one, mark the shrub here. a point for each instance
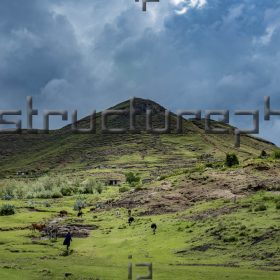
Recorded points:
(44, 183)
(48, 187)
(30, 195)
(56, 194)
(163, 177)
(132, 178)
(230, 239)
(268, 197)
(7, 209)
(138, 187)
(7, 197)
(263, 154)
(99, 187)
(67, 190)
(43, 194)
(261, 207)
(8, 192)
(123, 189)
(231, 160)
(47, 204)
(90, 186)
(276, 154)
(278, 205)
(20, 192)
(79, 204)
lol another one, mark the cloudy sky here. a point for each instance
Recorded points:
(184, 54)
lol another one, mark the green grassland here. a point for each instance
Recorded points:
(242, 244)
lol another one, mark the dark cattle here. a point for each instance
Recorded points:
(63, 213)
(130, 220)
(154, 228)
(129, 213)
(80, 214)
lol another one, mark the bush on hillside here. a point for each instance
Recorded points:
(263, 154)
(49, 187)
(79, 204)
(99, 187)
(276, 154)
(90, 186)
(261, 207)
(8, 193)
(7, 197)
(57, 194)
(278, 205)
(231, 160)
(67, 190)
(132, 179)
(138, 187)
(123, 189)
(7, 210)
(230, 239)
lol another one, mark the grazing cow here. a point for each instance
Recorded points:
(80, 214)
(130, 220)
(38, 227)
(154, 228)
(63, 213)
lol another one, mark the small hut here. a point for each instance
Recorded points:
(113, 182)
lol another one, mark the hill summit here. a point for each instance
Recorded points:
(61, 150)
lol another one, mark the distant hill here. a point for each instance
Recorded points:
(153, 154)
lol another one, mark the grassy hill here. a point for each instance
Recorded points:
(214, 221)
(153, 154)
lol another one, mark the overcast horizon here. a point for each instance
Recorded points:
(182, 54)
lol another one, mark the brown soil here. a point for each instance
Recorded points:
(212, 184)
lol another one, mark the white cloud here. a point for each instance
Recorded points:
(182, 6)
(265, 39)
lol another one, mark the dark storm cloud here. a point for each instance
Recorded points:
(36, 47)
(183, 54)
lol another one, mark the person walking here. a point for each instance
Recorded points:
(67, 240)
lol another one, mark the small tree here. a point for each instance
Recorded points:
(263, 154)
(99, 187)
(7, 210)
(8, 192)
(132, 179)
(231, 160)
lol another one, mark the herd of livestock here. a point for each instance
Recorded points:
(52, 231)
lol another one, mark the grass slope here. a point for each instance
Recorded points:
(62, 150)
(199, 243)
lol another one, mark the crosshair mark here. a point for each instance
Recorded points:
(144, 3)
